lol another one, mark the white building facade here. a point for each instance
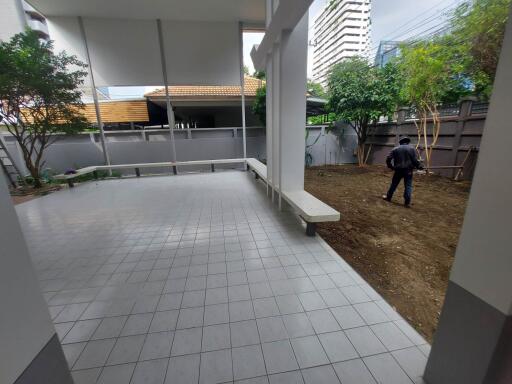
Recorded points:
(16, 15)
(341, 30)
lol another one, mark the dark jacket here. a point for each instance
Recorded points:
(403, 157)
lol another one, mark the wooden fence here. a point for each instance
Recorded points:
(461, 131)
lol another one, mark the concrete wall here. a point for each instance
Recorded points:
(25, 325)
(150, 146)
(329, 148)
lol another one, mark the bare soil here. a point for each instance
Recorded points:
(27, 193)
(405, 254)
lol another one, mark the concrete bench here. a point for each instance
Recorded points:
(82, 171)
(137, 167)
(311, 209)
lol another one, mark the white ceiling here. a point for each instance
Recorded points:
(201, 10)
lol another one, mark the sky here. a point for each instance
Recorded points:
(391, 20)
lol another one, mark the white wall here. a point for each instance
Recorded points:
(25, 325)
(483, 262)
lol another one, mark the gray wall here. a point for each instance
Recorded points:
(149, 146)
(126, 147)
(328, 148)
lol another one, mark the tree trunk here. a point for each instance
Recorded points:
(362, 154)
(32, 168)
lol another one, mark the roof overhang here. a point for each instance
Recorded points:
(249, 11)
(285, 17)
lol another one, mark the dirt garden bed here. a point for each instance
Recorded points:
(405, 254)
(27, 193)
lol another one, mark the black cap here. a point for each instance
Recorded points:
(404, 140)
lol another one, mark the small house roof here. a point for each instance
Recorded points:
(208, 92)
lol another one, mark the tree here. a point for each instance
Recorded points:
(360, 94)
(246, 70)
(259, 75)
(38, 96)
(475, 39)
(259, 106)
(315, 89)
(430, 76)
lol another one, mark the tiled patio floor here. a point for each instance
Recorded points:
(198, 279)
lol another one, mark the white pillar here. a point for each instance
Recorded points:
(473, 342)
(242, 86)
(292, 105)
(275, 84)
(29, 346)
(170, 112)
(103, 141)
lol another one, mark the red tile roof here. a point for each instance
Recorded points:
(209, 91)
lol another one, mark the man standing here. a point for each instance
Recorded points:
(402, 159)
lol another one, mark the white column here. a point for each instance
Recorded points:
(242, 86)
(103, 141)
(170, 112)
(292, 105)
(269, 124)
(26, 329)
(473, 342)
(269, 106)
(275, 84)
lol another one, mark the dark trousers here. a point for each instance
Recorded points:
(400, 174)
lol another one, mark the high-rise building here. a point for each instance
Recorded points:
(387, 51)
(341, 30)
(16, 15)
(36, 21)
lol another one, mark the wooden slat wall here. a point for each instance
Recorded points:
(122, 111)
(119, 111)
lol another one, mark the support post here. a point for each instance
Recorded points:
(291, 111)
(174, 170)
(310, 229)
(269, 12)
(213, 167)
(170, 112)
(242, 87)
(464, 113)
(473, 341)
(137, 172)
(106, 155)
(276, 114)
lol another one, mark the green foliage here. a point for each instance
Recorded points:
(427, 73)
(246, 70)
(259, 75)
(477, 31)
(322, 119)
(38, 95)
(315, 89)
(259, 106)
(360, 94)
